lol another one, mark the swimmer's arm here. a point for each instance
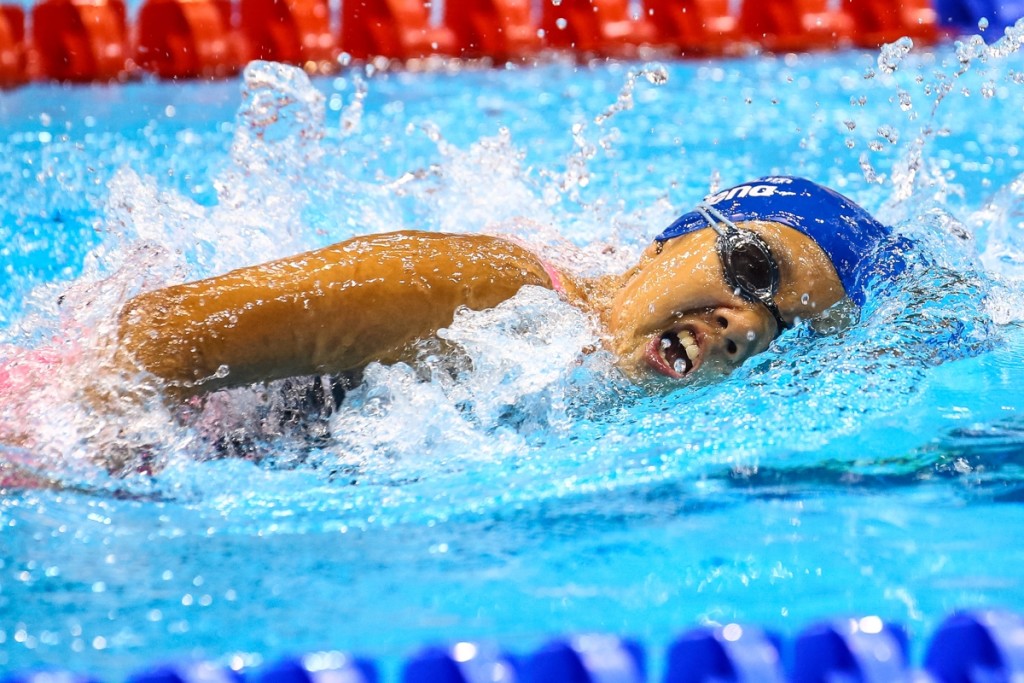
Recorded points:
(327, 311)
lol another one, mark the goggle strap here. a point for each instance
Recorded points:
(714, 217)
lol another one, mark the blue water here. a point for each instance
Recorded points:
(512, 488)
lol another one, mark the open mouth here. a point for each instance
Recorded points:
(675, 353)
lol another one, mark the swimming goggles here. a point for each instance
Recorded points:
(747, 262)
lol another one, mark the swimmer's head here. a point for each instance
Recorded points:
(862, 250)
(720, 283)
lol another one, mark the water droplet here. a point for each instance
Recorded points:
(868, 170)
(656, 74)
(805, 298)
(561, 23)
(904, 99)
(889, 133)
(850, 124)
(982, 23)
(890, 55)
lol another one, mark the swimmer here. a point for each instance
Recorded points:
(713, 289)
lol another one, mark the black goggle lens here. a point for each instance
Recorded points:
(751, 267)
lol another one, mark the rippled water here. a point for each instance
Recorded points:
(510, 487)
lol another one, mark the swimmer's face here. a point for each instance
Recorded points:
(676, 317)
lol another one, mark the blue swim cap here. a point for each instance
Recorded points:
(860, 248)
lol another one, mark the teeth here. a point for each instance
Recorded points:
(689, 345)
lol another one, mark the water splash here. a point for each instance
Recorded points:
(496, 383)
(502, 383)
(507, 436)
(892, 54)
(914, 173)
(1001, 224)
(655, 74)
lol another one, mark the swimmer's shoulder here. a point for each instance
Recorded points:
(468, 255)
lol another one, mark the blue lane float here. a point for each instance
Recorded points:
(319, 667)
(190, 672)
(977, 647)
(865, 650)
(983, 646)
(461, 663)
(728, 654)
(586, 659)
(965, 15)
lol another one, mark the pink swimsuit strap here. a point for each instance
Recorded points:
(554, 275)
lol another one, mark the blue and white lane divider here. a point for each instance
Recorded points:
(728, 653)
(969, 647)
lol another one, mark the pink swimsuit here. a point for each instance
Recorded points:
(555, 276)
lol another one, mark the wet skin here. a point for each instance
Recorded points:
(671, 318)
(333, 310)
(682, 290)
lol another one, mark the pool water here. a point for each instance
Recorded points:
(509, 487)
